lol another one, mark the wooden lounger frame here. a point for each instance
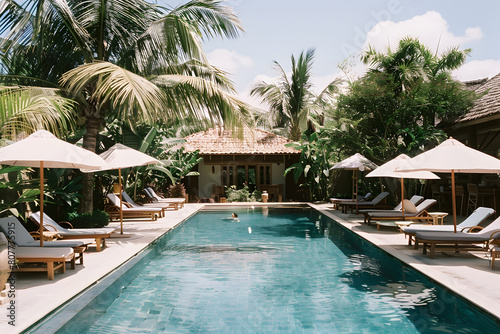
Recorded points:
(100, 239)
(52, 264)
(114, 213)
(456, 246)
(424, 215)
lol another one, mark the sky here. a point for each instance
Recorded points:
(339, 31)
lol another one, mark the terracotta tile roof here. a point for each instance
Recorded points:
(488, 104)
(254, 141)
(474, 84)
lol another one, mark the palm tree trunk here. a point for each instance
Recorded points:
(89, 143)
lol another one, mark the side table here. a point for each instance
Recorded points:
(438, 217)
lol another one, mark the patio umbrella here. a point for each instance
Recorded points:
(388, 170)
(43, 150)
(451, 156)
(120, 156)
(355, 162)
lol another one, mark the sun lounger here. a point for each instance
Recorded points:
(99, 234)
(377, 202)
(476, 218)
(460, 241)
(113, 210)
(156, 205)
(19, 236)
(53, 259)
(419, 214)
(179, 202)
(336, 201)
(415, 200)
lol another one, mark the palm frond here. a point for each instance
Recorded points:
(23, 110)
(210, 18)
(123, 89)
(199, 99)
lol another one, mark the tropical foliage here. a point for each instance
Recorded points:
(394, 107)
(242, 195)
(24, 110)
(313, 168)
(16, 190)
(291, 100)
(145, 66)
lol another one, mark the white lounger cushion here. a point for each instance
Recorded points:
(116, 201)
(475, 218)
(42, 252)
(419, 209)
(47, 221)
(151, 193)
(414, 200)
(155, 205)
(491, 231)
(21, 237)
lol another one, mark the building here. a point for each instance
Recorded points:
(480, 127)
(254, 157)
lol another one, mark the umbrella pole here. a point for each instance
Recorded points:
(357, 197)
(453, 204)
(121, 200)
(402, 198)
(41, 204)
(353, 185)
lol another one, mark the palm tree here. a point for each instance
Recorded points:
(413, 62)
(144, 62)
(291, 100)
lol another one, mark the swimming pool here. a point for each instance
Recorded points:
(276, 270)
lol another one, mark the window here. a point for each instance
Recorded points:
(251, 175)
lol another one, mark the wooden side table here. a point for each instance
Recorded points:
(438, 217)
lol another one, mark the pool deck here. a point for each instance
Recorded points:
(469, 274)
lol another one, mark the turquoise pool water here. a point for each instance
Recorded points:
(274, 271)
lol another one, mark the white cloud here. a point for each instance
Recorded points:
(478, 69)
(433, 31)
(229, 61)
(430, 28)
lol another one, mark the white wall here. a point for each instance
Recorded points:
(206, 178)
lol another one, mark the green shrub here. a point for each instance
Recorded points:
(97, 218)
(177, 191)
(242, 195)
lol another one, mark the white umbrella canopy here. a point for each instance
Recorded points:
(44, 150)
(43, 146)
(120, 156)
(388, 170)
(451, 156)
(355, 162)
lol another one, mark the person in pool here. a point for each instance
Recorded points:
(234, 217)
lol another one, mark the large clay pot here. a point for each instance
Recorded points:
(265, 196)
(4, 261)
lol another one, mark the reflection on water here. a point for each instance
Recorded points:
(429, 307)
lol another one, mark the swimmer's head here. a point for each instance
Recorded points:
(235, 215)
